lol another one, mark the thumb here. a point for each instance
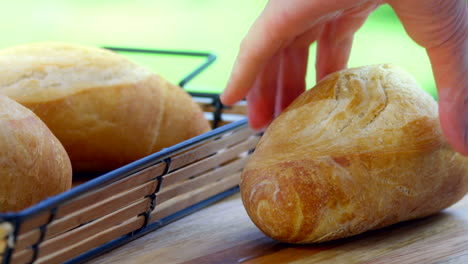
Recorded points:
(442, 28)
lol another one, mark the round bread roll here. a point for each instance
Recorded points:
(33, 163)
(106, 110)
(361, 150)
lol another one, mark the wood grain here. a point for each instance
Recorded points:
(183, 201)
(208, 163)
(87, 214)
(77, 235)
(5, 230)
(90, 198)
(209, 148)
(223, 233)
(91, 242)
(94, 205)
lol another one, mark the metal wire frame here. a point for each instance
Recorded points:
(52, 203)
(210, 58)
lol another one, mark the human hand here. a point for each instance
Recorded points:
(271, 66)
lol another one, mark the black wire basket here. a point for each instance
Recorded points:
(121, 205)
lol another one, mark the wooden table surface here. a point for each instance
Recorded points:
(223, 233)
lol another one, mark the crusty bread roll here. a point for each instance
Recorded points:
(33, 163)
(106, 110)
(361, 150)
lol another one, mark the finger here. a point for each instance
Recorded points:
(442, 28)
(261, 98)
(450, 67)
(335, 42)
(277, 25)
(293, 67)
(331, 55)
(256, 49)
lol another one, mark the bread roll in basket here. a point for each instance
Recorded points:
(33, 163)
(361, 150)
(106, 110)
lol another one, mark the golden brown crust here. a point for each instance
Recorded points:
(182, 118)
(49, 70)
(33, 163)
(106, 110)
(361, 150)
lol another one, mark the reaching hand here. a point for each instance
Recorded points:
(271, 65)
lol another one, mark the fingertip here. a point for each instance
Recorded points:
(260, 109)
(259, 117)
(454, 124)
(231, 96)
(456, 138)
(256, 126)
(226, 99)
(239, 84)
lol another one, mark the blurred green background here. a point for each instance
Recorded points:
(215, 26)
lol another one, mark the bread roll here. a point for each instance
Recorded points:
(33, 163)
(361, 150)
(106, 110)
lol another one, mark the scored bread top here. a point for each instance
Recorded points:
(348, 112)
(28, 76)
